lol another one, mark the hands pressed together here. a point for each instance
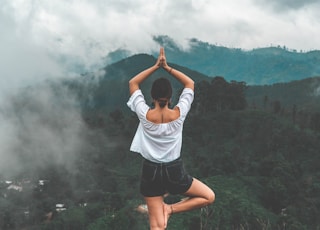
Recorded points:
(161, 61)
(183, 78)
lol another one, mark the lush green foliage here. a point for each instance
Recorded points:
(262, 161)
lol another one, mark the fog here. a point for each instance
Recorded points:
(39, 125)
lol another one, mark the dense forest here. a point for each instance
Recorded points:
(258, 152)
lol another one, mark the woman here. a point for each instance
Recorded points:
(158, 139)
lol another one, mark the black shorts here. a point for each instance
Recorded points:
(158, 179)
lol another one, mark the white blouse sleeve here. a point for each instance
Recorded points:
(185, 101)
(138, 104)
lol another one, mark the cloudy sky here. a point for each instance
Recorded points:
(49, 38)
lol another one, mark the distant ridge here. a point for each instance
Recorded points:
(112, 91)
(255, 67)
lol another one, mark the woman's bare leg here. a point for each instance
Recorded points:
(158, 215)
(199, 194)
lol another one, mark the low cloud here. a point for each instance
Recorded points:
(38, 126)
(41, 39)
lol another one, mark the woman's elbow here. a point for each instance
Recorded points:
(190, 84)
(133, 86)
(212, 197)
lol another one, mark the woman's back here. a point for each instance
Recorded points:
(163, 115)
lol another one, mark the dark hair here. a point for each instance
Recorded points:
(161, 89)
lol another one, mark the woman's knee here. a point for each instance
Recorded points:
(211, 196)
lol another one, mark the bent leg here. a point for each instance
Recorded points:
(199, 194)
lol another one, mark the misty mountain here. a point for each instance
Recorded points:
(107, 89)
(255, 67)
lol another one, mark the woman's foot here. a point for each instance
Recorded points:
(167, 212)
(142, 208)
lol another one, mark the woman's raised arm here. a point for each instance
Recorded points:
(135, 82)
(183, 78)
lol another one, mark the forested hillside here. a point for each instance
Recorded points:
(73, 168)
(303, 95)
(265, 65)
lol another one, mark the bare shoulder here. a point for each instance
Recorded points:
(175, 112)
(176, 109)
